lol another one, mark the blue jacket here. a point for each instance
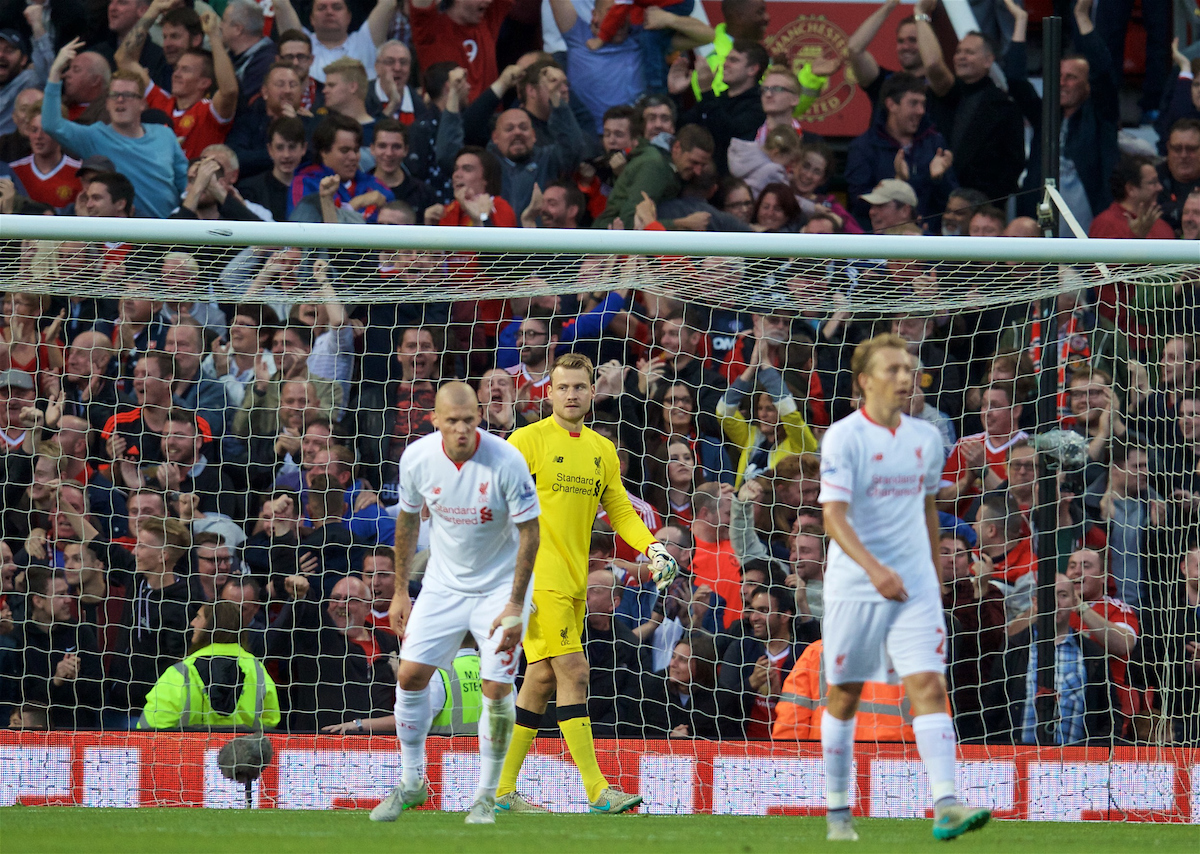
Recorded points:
(308, 181)
(872, 157)
(591, 324)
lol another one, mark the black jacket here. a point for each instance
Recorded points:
(616, 662)
(263, 189)
(331, 679)
(663, 710)
(251, 67)
(872, 157)
(248, 138)
(734, 697)
(422, 161)
(986, 132)
(154, 636)
(76, 703)
(1091, 142)
(727, 118)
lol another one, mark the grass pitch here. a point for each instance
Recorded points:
(184, 831)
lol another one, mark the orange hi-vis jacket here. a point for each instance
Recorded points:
(883, 710)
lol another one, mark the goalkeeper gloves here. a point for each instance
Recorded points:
(663, 567)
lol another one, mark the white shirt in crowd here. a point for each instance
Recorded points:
(358, 45)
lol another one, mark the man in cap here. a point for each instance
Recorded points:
(893, 203)
(89, 167)
(18, 71)
(16, 393)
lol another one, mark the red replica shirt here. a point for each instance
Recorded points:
(436, 38)
(197, 127)
(57, 188)
(956, 465)
(1115, 611)
(380, 622)
(502, 215)
(530, 389)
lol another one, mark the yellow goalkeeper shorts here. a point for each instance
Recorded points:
(555, 626)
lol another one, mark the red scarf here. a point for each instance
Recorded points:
(1074, 346)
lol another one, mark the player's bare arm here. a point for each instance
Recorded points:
(886, 580)
(408, 526)
(529, 537)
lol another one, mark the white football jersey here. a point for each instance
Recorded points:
(884, 476)
(474, 508)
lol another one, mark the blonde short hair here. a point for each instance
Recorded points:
(864, 352)
(173, 533)
(574, 362)
(351, 70)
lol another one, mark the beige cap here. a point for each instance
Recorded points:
(891, 190)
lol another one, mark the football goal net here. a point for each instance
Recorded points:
(204, 413)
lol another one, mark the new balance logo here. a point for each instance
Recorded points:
(558, 459)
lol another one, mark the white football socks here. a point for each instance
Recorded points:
(413, 718)
(837, 746)
(496, 722)
(936, 743)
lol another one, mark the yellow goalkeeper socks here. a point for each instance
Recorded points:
(576, 728)
(523, 734)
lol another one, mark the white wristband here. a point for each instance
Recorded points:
(510, 622)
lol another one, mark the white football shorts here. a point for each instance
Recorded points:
(883, 641)
(439, 621)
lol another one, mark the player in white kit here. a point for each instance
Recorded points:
(883, 607)
(483, 541)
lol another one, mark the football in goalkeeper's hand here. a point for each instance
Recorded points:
(663, 567)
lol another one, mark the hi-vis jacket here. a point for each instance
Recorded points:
(220, 685)
(883, 711)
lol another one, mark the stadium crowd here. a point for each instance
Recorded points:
(163, 455)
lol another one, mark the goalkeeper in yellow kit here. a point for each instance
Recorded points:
(575, 469)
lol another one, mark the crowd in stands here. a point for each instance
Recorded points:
(164, 455)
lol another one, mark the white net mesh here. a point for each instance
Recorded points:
(260, 396)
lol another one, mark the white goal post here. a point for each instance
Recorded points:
(685, 416)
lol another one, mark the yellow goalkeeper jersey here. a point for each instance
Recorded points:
(574, 472)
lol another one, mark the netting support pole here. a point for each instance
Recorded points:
(1045, 513)
(1051, 119)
